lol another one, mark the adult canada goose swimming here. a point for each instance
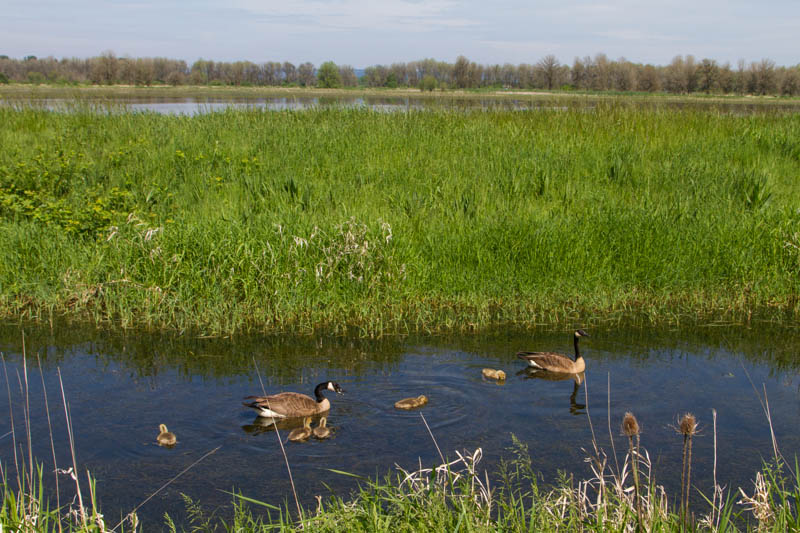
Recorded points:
(293, 404)
(165, 438)
(411, 403)
(557, 362)
(299, 434)
(322, 431)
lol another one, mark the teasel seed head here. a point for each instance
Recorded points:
(630, 426)
(688, 425)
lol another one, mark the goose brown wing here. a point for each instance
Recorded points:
(285, 403)
(555, 362)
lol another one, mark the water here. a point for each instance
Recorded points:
(121, 385)
(193, 105)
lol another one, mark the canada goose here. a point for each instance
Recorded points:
(411, 403)
(489, 373)
(557, 362)
(293, 404)
(299, 434)
(322, 431)
(165, 438)
(530, 372)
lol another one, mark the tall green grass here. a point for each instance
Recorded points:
(353, 220)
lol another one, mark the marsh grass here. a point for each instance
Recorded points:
(351, 221)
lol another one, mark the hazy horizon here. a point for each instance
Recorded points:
(361, 33)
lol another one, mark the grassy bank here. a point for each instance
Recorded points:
(342, 219)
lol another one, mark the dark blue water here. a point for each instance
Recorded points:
(121, 385)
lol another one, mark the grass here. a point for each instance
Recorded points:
(354, 221)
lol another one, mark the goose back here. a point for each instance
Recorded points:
(554, 362)
(287, 404)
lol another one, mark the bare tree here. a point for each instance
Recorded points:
(289, 73)
(305, 74)
(461, 72)
(548, 69)
(765, 79)
(649, 79)
(348, 76)
(707, 75)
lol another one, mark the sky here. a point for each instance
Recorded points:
(361, 33)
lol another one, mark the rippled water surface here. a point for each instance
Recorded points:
(121, 385)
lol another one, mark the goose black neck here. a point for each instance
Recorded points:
(577, 351)
(318, 391)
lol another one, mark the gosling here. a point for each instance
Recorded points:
(301, 434)
(322, 431)
(165, 438)
(411, 403)
(489, 373)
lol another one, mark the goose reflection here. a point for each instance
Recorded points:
(534, 373)
(264, 424)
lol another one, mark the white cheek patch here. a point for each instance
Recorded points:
(330, 387)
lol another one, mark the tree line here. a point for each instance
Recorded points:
(683, 75)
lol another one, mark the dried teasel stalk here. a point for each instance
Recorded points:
(687, 426)
(630, 428)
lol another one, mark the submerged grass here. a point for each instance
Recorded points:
(351, 220)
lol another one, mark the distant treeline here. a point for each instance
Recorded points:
(684, 74)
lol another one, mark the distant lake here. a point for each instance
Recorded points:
(192, 105)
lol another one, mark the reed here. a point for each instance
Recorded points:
(630, 428)
(353, 221)
(687, 426)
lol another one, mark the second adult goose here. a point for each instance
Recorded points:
(293, 404)
(557, 362)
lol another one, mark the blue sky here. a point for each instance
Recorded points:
(363, 32)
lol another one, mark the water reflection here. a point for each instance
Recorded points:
(194, 105)
(122, 384)
(534, 373)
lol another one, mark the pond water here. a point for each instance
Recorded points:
(192, 105)
(120, 385)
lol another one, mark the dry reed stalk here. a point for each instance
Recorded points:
(630, 428)
(608, 417)
(82, 509)
(27, 412)
(687, 426)
(765, 406)
(13, 428)
(712, 519)
(600, 462)
(432, 437)
(52, 443)
(283, 450)
(132, 515)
